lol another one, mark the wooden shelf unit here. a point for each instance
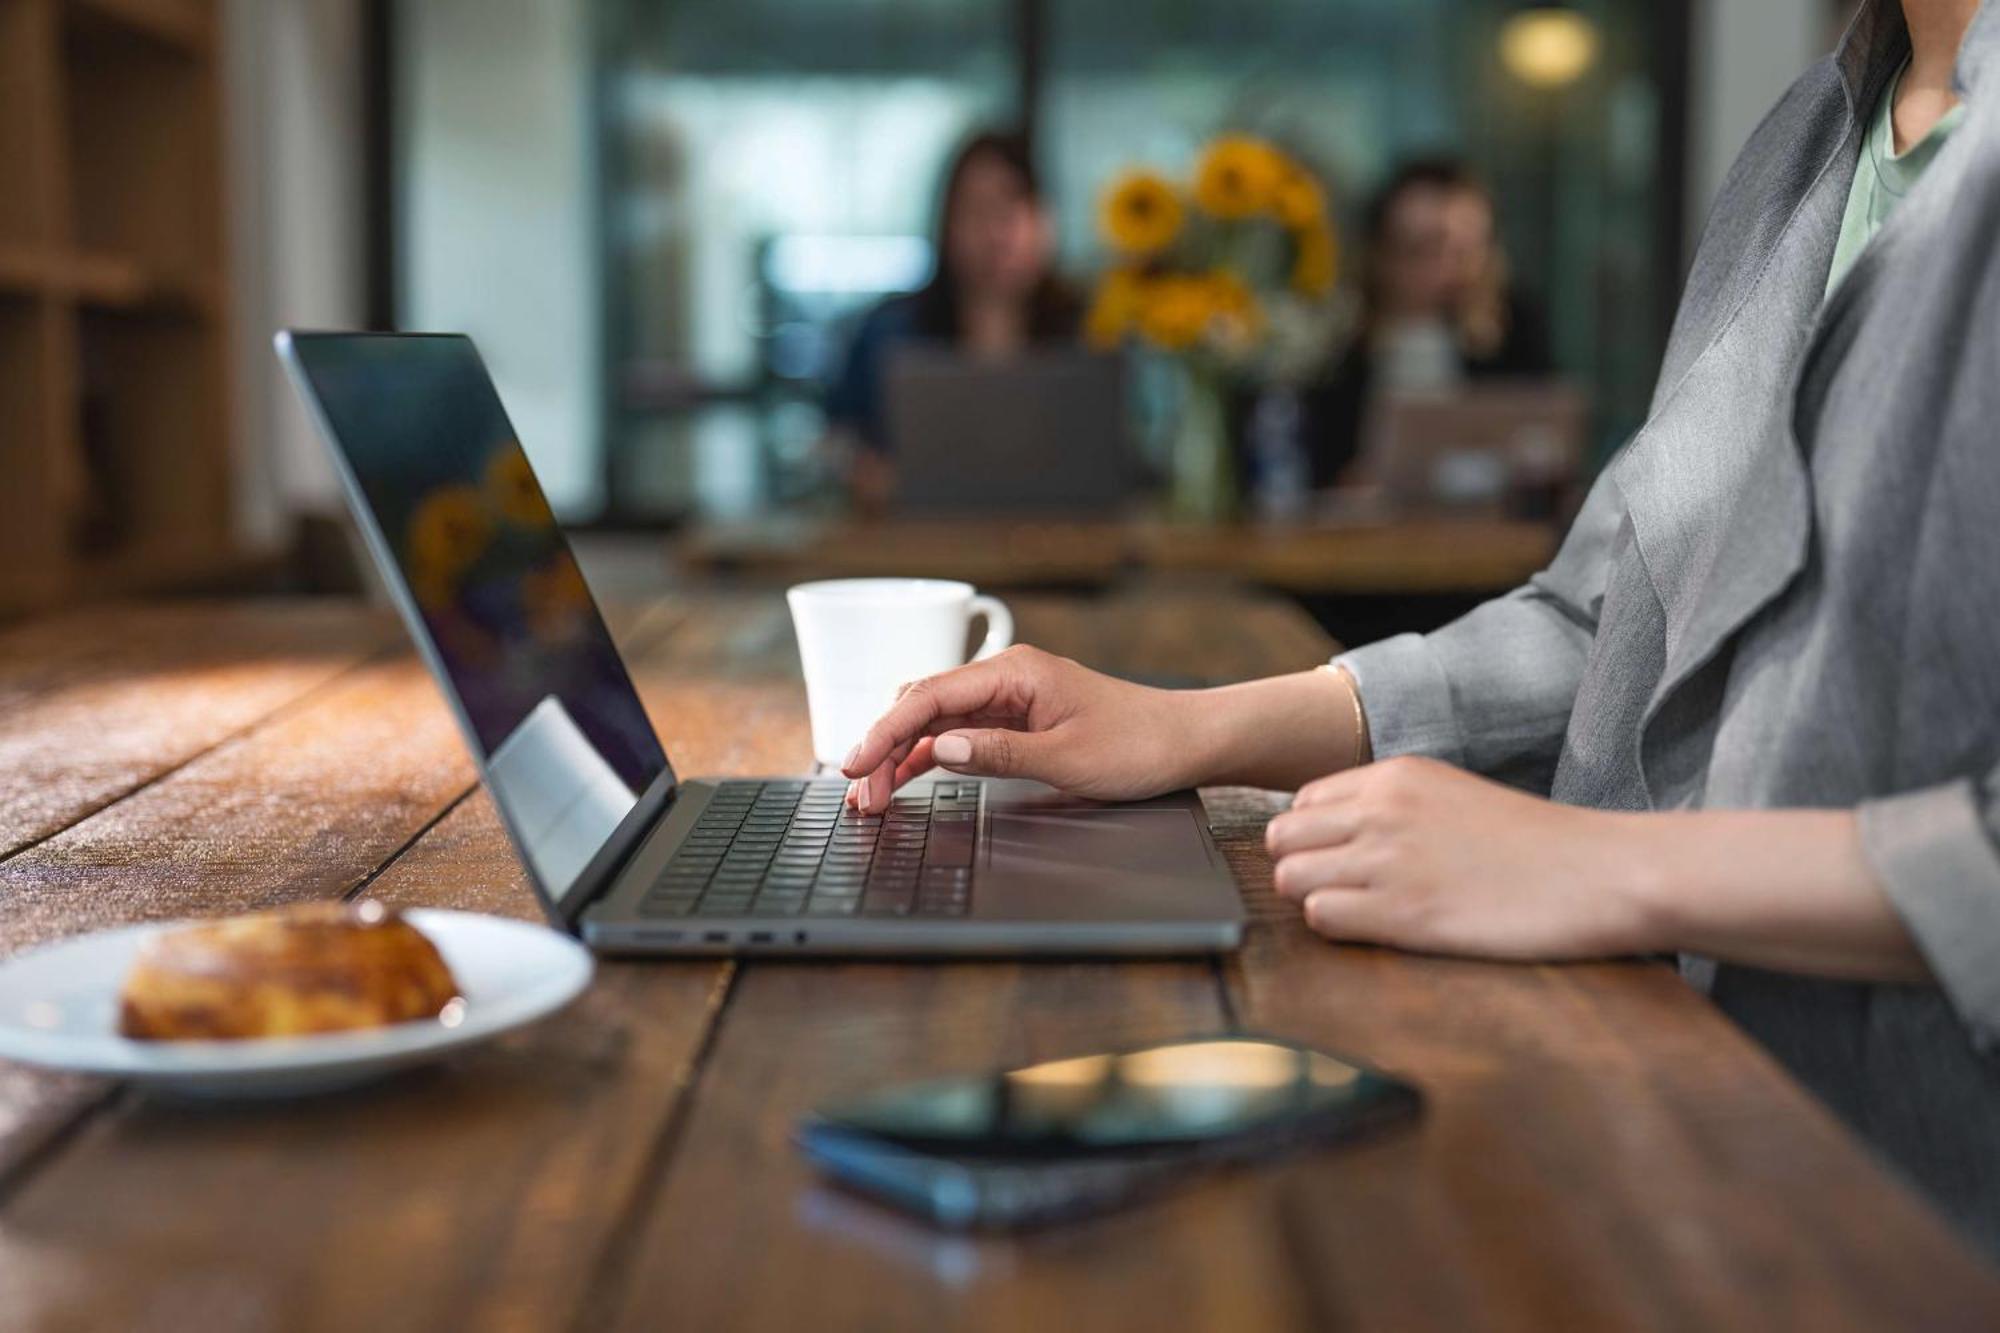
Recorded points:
(115, 454)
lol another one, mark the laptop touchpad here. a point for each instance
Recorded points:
(1130, 840)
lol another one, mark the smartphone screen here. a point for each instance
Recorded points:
(1160, 1097)
(1065, 1139)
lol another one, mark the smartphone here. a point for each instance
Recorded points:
(1049, 1142)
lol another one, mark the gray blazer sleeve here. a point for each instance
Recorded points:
(1934, 852)
(1492, 692)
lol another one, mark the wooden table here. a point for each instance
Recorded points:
(1375, 558)
(1602, 1150)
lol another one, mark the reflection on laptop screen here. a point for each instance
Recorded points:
(468, 533)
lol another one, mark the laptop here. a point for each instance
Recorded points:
(1477, 450)
(621, 851)
(1039, 434)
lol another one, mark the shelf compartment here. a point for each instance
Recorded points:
(151, 430)
(38, 472)
(183, 25)
(140, 116)
(28, 177)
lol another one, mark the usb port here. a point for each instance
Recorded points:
(760, 937)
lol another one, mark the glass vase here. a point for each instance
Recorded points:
(1203, 468)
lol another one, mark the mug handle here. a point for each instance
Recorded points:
(999, 625)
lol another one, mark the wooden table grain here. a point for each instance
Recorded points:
(1601, 1149)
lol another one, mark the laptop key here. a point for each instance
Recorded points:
(724, 907)
(950, 849)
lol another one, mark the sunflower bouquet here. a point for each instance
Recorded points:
(1231, 279)
(1220, 267)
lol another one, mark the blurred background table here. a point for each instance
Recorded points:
(1601, 1149)
(1387, 558)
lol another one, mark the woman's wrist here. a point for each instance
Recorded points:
(1638, 868)
(1783, 889)
(1279, 733)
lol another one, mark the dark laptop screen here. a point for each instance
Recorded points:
(468, 534)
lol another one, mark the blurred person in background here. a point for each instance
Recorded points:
(993, 293)
(1437, 307)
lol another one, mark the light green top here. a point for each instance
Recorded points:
(1883, 178)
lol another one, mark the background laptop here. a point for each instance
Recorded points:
(1043, 433)
(621, 851)
(1476, 450)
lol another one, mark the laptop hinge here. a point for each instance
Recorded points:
(601, 874)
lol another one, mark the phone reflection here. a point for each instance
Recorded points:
(1161, 1095)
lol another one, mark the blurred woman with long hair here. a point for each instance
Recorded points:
(993, 292)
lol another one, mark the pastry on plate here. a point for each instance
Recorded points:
(319, 967)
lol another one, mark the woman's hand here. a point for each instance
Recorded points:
(1029, 714)
(1423, 856)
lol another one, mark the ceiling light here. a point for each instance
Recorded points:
(1548, 46)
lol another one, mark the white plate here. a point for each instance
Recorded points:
(59, 1009)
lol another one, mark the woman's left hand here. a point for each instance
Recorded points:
(1423, 856)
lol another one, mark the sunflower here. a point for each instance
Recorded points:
(512, 489)
(1317, 263)
(1114, 311)
(446, 534)
(1296, 198)
(1141, 214)
(1236, 176)
(1232, 305)
(1177, 311)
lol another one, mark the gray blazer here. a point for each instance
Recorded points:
(1785, 592)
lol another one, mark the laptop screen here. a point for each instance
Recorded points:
(461, 525)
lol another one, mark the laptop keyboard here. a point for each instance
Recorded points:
(795, 849)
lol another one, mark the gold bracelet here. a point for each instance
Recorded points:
(1360, 718)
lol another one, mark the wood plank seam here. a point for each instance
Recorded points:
(19, 1167)
(221, 742)
(1219, 967)
(645, 637)
(598, 1308)
(1310, 1277)
(360, 886)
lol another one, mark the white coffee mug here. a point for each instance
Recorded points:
(859, 639)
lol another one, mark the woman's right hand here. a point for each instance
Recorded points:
(1025, 713)
(1029, 714)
